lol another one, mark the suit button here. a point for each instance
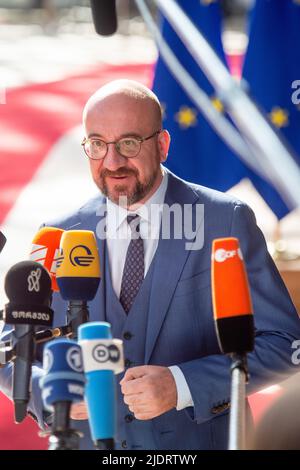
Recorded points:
(128, 418)
(124, 444)
(127, 335)
(127, 363)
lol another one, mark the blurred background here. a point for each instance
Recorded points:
(51, 61)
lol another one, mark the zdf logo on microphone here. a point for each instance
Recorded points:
(102, 353)
(222, 255)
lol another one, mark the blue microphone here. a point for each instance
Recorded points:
(62, 385)
(102, 359)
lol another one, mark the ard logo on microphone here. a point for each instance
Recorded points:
(74, 359)
(222, 255)
(102, 353)
(47, 360)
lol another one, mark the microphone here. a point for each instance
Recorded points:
(28, 287)
(78, 274)
(232, 305)
(2, 241)
(45, 250)
(102, 358)
(235, 327)
(62, 385)
(104, 16)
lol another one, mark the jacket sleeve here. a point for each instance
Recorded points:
(277, 329)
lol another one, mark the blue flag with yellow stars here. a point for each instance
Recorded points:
(197, 154)
(272, 70)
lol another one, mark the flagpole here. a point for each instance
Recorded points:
(254, 127)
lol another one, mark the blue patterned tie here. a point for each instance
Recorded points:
(133, 273)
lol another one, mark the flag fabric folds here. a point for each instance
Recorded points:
(272, 69)
(197, 154)
(272, 64)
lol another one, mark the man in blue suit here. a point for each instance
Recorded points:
(156, 289)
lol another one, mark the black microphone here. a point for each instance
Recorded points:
(104, 16)
(28, 288)
(2, 241)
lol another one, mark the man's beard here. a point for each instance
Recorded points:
(121, 195)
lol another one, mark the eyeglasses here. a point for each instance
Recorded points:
(129, 147)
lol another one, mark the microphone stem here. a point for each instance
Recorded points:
(25, 352)
(77, 314)
(105, 444)
(237, 422)
(61, 418)
(62, 436)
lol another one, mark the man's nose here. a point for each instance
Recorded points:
(113, 160)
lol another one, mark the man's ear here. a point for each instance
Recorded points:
(164, 140)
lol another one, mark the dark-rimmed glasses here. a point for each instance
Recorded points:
(128, 147)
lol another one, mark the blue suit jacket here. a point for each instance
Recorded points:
(180, 327)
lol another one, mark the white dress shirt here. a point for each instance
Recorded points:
(118, 237)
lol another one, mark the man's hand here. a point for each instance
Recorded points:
(149, 391)
(79, 411)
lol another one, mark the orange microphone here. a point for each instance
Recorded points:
(232, 304)
(45, 250)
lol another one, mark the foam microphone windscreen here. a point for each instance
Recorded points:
(45, 250)
(64, 379)
(104, 16)
(232, 305)
(78, 266)
(102, 358)
(28, 287)
(2, 241)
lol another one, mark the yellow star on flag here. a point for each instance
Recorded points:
(217, 104)
(279, 117)
(186, 117)
(297, 2)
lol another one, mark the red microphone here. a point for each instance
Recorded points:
(45, 250)
(232, 304)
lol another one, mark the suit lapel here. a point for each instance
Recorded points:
(170, 258)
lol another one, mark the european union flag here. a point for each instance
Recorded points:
(272, 68)
(197, 153)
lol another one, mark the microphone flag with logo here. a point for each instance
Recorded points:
(102, 359)
(78, 266)
(232, 305)
(45, 250)
(62, 385)
(28, 288)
